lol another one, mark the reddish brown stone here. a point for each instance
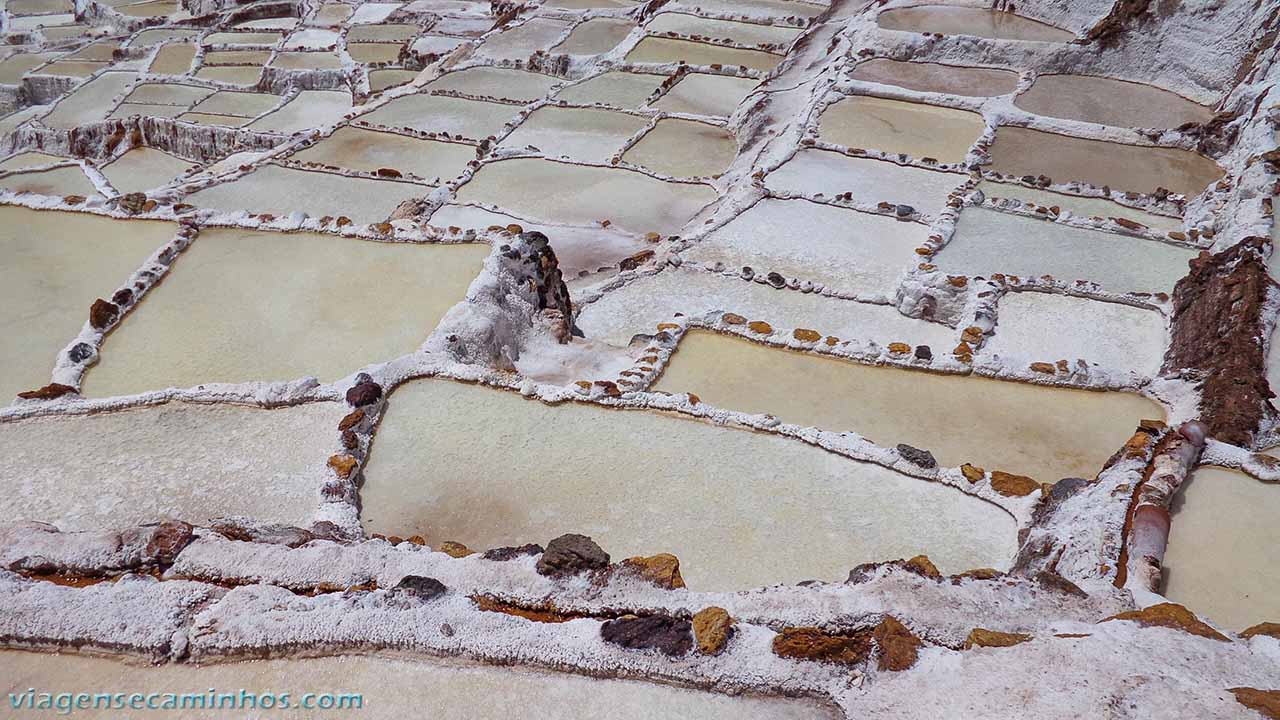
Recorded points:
(899, 648)
(979, 637)
(1171, 615)
(712, 629)
(662, 569)
(102, 313)
(1012, 485)
(343, 465)
(1265, 702)
(733, 319)
(1043, 367)
(972, 473)
(760, 326)
(48, 392)
(898, 348)
(1269, 629)
(811, 643)
(352, 419)
(804, 335)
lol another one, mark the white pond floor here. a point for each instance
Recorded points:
(178, 460)
(461, 462)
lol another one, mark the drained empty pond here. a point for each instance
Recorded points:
(443, 444)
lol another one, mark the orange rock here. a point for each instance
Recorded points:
(963, 352)
(662, 569)
(343, 465)
(980, 574)
(831, 340)
(1269, 629)
(922, 565)
(972, 334)
(760, 326)
(514, 229)
(733, 319)
(1265, 702)
(898, 348)
(958, 280)
(48, 392)
(899, 648)
(693, 399)
(351, 420)
(1011, 485)
(972, 473)
(1136, 446)
(1043, 367)
(804, 335)
(811, 643)
(584, 384)
(416, 540)
(455, 549)
(712, 628)
(979, 637)
(1171, 615)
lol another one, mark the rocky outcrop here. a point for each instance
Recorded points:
(1217, 339)
(572, 553)
(666, 634)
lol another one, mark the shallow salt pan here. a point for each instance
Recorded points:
(242, 104)
(934, 77)
(374, 52)
(29, 159)
(241, 306)
(311, 108)
(280, 191)
(178, 460)
(174, 59)
(739, 32)
(595, 36)
(684, 148)
(360, 149)
(1110, 102)
(642, 304)
(1220, 561)
(1045, 327)
(61, 181)
(144, 168)
(870, 181)
(168, 94)
(1047, 433)
(667, 50)
(766, 8)
(618, 89)
(842, 249)
(584, 134)
(89, 102)
(234, 74)
(702, 94)
(521, 41)
(1019, 151)
(503, 83)
(892, 126)
(380, 80)
(124, 110)
(437, 113)
(476, 692)
(14, 67)
(979, 22)
(988, 241)
(442, 445)
(585, 195)
(1077, 205)
(56, 264)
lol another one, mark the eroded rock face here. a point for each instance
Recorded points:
(668, 635)
(811, 643)
(572, 553)
(1217, 339)
(549, 284)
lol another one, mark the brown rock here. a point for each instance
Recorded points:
(666, 634)
(979, 637)
(712, 628)
(979, 574)
(102, 313)
(733, 319)
(1043, 367)
(454, 549)
(388, 173)
(502, 554)
(922, 565)
(416, 540)
(898, 348)
(972, 473)
(48, 392)
(1011, 485)
(1265, 702)
(1269, 629)
(343, 465)
(662, 569)
(571, 553)
(1128, 224)
(352, 419)
(1171, 615)
(760, 326)
(363, 393)
(167, 540)
(899, 648)
(811, 643)
(804, 335)
(668, 326)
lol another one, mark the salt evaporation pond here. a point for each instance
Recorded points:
(643, 303)
(442, 445)
(669, 50)
(277, 190)
(702, 94)
(240, 306)
(1078, 204)
(814, 172)
(616, 89)
(359, 149)
(178, 460)
(979, 22)
(843, 249)
(1220, 559)
(1046, 433)
(143, 168)
(595, 36)
(584, 134)
(893, 126)
(937, 78)
(1110, 102)
(1047, 327)
(1020, 151)
(427, 687)
(988, 241)
(585, 195)
(56, 264)
(475, 119)
(684, 148)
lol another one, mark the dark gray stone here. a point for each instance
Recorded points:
(572, 553)
(668, 635)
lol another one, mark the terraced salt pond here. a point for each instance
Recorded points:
(1078, 205)
(438, 113)
(288, 305)
(892, 126)
(359, 149)
(1020, 151)
(494, 82)
(57, 182)
(937, 78)
(617, 89)
(988, 241)
(441, 444)
(80, 258)
(842, 249)
(595, 36)
(739, 32)
(1047, 433)
(814, 172)
(585, 195)
(274, 189)
(583, 134)
(702, 94)
(476, 692)
(979, 22)
(668, 50)
(643, 303)
(144, 168)
(1219, 560)
(177, 460)
(1110, 102)
(684, 148)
